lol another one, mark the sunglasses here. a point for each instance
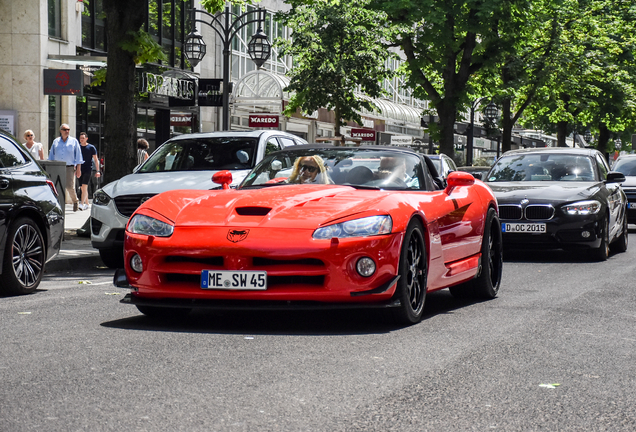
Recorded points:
(29, 135)
(65, 130)
(310, 169)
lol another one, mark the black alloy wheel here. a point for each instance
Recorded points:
(24, 258)
(620, 244)
(413, 269)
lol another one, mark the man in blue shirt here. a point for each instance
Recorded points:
(66, 148)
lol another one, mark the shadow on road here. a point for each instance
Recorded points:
(307, 323)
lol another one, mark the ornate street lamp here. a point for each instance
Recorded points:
(491, 112)
(618, 144)
(227, 24)
(588, 136)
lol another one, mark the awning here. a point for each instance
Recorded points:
(78, 60)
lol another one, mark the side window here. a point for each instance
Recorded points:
(603, 169)
(287, 141)
(451, 164)
(10, 156)
(271, 146)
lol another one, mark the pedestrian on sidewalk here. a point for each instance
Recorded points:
(67, 149)
(89, 154)
(142, 151)
(35, 148)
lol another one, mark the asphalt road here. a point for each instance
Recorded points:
(555, 351)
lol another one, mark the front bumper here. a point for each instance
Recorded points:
(572, 232)
(107, 226)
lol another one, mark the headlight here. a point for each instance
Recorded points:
(364, 227)
(140, 224)
(100, 198)
(583, 208)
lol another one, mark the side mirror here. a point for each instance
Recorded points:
(223, 178)
(458, 178)
(615, 177)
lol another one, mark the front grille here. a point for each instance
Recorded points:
(215, 261)
(264, 262)
(631, 194)
(510, 212)
(127, 204)
(539, 212)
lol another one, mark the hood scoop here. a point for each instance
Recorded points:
(253, 211)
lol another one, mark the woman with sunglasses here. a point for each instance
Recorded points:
(35, 148)
(309, 169)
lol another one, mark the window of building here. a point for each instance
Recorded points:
(94, 26)
(55, 117)
(55, 18)
(167, 24)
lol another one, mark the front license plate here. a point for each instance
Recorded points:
(531, 228)
(631, 205)
(234, 280)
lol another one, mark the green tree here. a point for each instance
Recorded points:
(445, 43)
(338, 48)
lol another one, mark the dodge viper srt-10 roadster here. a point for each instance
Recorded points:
(316, 226)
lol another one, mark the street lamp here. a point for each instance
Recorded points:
(618, 144)
(588, 136)
(227, 24)
(491, 112)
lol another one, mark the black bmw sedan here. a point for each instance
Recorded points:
(560, 198)
(31, 219)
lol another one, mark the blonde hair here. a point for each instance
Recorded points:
(26, 132)
(295, 174)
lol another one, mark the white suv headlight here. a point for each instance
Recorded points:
(100, 198)
(141, 224)
(368, 226)
(583, 208)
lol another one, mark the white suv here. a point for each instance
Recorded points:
(183, 162)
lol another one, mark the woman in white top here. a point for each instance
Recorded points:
(35, 148)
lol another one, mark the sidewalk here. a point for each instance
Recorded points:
(76, 252)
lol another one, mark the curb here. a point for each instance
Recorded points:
(89, 262)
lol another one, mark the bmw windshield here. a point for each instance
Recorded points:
(543, 167)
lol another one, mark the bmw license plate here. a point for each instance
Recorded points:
(234, 280)
(532, 228)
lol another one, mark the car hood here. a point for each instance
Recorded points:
(157, 182)
(543, 191)
(630, 182)
(289, 206)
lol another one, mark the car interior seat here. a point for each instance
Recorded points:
(359, 175)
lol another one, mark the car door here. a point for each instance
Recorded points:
(615, 200)
(7, 199)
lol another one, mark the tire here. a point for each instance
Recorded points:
(413, 268)
(24, 258)
(488, 280)
(620, 244)
(602, 252)
(112, 257)
(164, 313)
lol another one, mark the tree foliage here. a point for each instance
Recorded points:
(338, 49)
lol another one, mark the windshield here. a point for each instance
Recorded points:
(542, 167)
(346, 166)
(626, 166)
(201, 154)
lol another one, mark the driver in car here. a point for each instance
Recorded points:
(309, 169)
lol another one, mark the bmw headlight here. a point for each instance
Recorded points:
(141, 224)
(368, 226)
(100, 198)
(583, 208)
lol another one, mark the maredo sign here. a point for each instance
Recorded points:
(365, 134)
(263, 121)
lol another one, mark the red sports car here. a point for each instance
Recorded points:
(312, 227)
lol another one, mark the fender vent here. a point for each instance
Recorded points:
(253, 211)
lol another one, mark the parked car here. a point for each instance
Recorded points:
(31, 219)
(443, 163)
(626, 164)
(560, 198)
(183, 162)
(479, 172)
(316, 226)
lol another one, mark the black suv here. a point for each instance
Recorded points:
(31, 219)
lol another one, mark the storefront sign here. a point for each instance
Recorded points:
(261, 121)
(181, 120)
(210, 92)
(365, 134)
(7, 121)
(401, 140)
(63, 82)
(168, 86)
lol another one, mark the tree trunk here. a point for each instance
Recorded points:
(119, 122)
(562, 133)
(338, 134)
(447, 113)
(603, 139)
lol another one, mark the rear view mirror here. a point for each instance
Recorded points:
(277, 165)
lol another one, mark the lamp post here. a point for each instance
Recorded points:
(588, 136)
(492, 115)
(227, 24)
(470, 136)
